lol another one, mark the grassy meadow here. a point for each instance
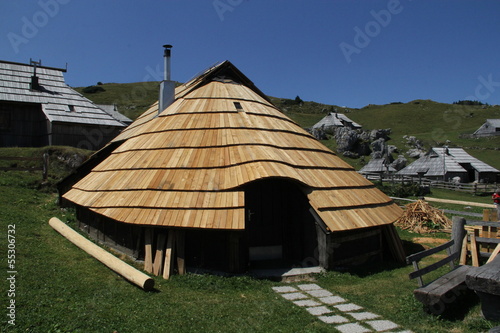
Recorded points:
(59, 288)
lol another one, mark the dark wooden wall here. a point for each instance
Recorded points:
(22, 125)
(91, 137)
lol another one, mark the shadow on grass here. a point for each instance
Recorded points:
(371, 267)
(457, 308)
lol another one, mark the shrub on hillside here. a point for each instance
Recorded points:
(92, 89)
(469, 102)
(401, 190)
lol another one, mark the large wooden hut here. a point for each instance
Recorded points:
(222, 179)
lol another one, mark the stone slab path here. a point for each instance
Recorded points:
(332, 309)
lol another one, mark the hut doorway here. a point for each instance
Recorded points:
(280, 231)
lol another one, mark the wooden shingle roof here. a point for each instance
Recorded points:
(188, 166)
(59, 102)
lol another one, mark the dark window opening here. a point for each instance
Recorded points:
(238, 106)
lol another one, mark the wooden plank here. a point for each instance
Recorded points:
(159, 255)
(463, 255)
(169, 255)
(148, 251)
(433, 266)
(422, 254)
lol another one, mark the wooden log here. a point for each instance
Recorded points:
(128, 272)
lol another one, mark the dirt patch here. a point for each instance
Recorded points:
(429, 240)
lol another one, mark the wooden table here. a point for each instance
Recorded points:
(485, 281)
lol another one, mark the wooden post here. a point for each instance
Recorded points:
(45, 166)
(234, 252)
(474, 251)
(457, 232)
(160, 249)
(486, 215)
(148, 251)
(180, 251)
(169, 255)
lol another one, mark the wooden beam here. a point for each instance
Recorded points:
(494, 253)
(169, 258)
(160, 249)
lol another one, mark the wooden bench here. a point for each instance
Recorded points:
(436, 295)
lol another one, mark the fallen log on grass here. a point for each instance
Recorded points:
(128, 272)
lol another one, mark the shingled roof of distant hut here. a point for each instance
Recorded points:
(59, 102)
(334, 119)
(187, 166)
(439, 161)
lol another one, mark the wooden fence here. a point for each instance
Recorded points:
(474, 188)
(43, 164)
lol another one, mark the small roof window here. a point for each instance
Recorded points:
(238, 106)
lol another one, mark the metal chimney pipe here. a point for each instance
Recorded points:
(167, 87)
(166, 59)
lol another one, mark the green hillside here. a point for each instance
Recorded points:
(435, 124)
(132, 99)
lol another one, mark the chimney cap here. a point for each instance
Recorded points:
(167, 46)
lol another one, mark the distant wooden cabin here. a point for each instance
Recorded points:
(37, 109)
(377, 166)
(449, 163)
(490, 128)
(334, 120)
(221, 179)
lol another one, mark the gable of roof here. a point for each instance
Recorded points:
(113, 111)
(188, 166)
(495, 123)
(59, 102)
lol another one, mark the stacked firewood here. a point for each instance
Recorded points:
(420, 217)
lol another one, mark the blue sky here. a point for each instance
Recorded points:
(344, 52)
